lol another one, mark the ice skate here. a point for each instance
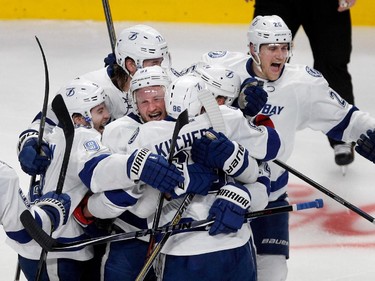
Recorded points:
(344, 155)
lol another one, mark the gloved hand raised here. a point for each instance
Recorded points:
(56, 206)
(215, 150)
(229, 209)
(153, 170)
(110, 60)
(33, 162)
(366, 145)
(252, 97)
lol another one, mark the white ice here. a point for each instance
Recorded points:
(326, 244)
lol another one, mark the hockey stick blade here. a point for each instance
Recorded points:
(185, 226)
(36, 232)
(62, 113)
(326, 191)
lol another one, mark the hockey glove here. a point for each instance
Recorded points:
(32, 162)
(110, 60)
(366, 145)
(198, 179)
(221, 153)
(252, 97)
(153, 170)
(56, 206)
(229, 209)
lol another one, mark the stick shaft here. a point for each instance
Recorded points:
(326, 191)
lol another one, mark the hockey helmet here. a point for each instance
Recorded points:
(141, 42)
(220, 80)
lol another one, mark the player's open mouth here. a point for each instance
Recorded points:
(155, 116)
(275, 67)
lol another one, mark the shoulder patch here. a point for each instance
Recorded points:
(135, 134)
(313, 72)
(217, 54)
(91, 145)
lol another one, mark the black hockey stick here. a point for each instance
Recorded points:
(181, 121)
(108, 19)
(52, 244)
(31, 226)
(326, 191)
(41, 129)
(44, 108)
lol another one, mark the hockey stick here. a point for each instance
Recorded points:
(51, 244)
(108, 19)
(31, 226)
(326, 191)
(41, 130)
(44, 108)
(216, 119)
(181, 121)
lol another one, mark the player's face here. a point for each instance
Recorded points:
(150, 102)
(100, 117)
(272, 59)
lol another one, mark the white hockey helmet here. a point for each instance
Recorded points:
(183, 93)
(140, 42)
(80, 96)
(146, 77)
(268, 30)
(220, 80)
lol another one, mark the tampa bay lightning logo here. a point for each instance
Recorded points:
(70, 92)
(313, 72)
(133, 35)
(229, 74)
(217, 54)
(91, 145)
(135, 134)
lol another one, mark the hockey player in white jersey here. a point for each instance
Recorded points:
(192, 255)
(92, 168)
(51, 211)
(298, 97)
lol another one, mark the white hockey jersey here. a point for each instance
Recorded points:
(301, 98)
(262, 143)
